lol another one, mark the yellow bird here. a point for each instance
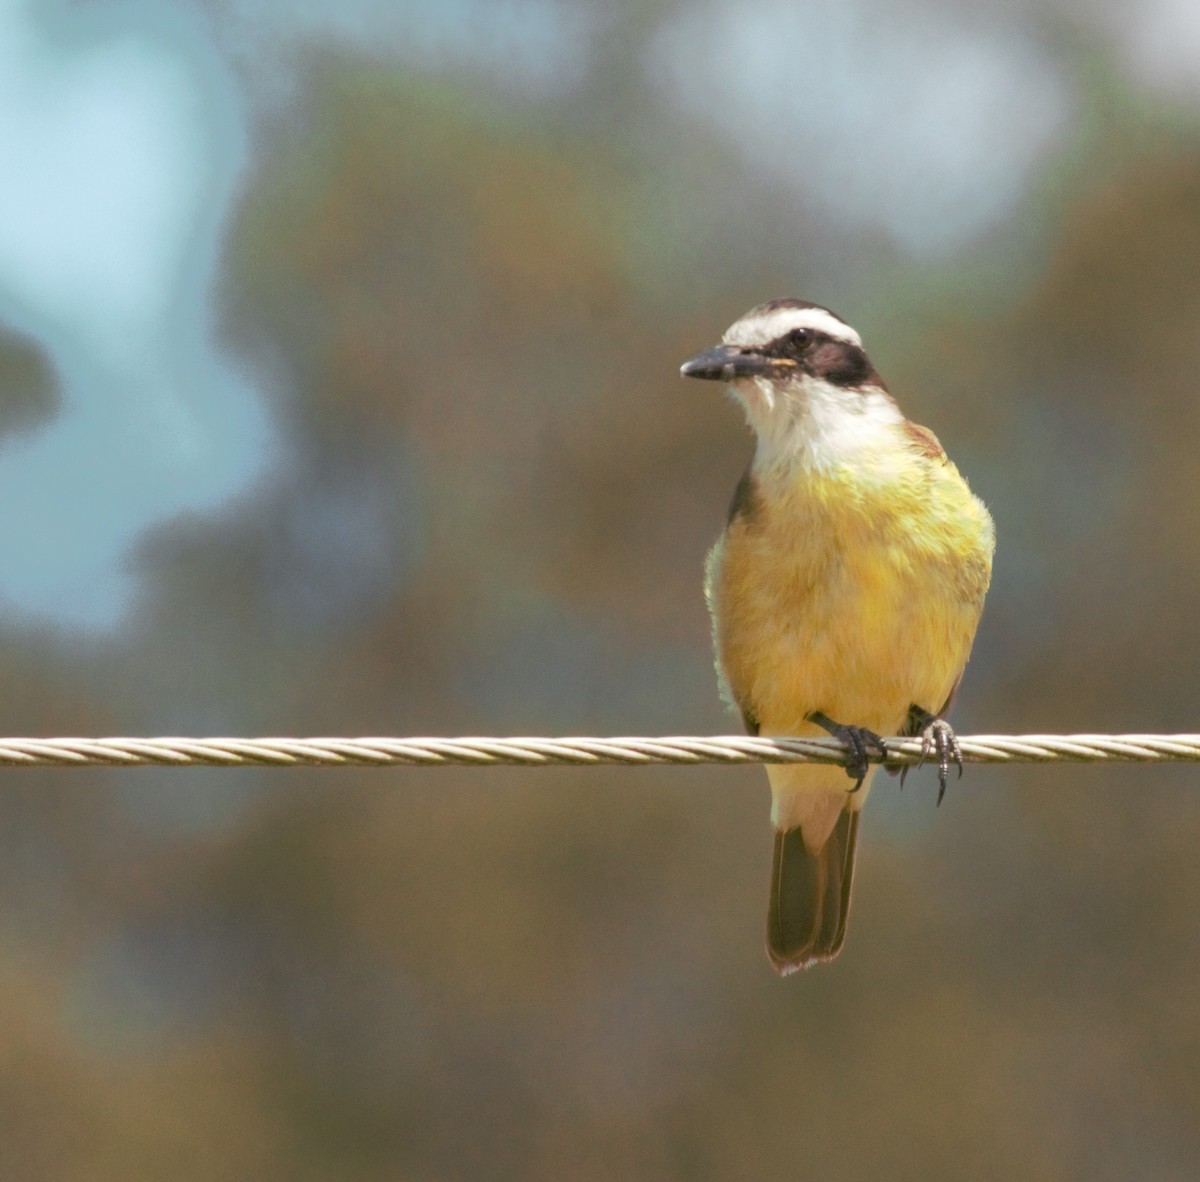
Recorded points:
(845, 592)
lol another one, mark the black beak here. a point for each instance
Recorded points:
(726, 363)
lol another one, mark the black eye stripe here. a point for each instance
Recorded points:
(835, 360)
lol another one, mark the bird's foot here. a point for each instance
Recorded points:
(938, 738)
(861, 742)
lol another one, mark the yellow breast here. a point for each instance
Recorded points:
(855, 591)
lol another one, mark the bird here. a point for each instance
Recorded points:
(844, 593)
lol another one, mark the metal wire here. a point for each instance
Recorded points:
(538, 752)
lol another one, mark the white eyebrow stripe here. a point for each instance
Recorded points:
(762, 328)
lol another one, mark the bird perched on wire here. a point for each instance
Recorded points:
(845, 593)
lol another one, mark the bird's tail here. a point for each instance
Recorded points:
(810, 894)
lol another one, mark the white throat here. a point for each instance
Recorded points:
(815, 424)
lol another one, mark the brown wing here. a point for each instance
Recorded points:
(744, 508)
(745, 498)
(924, 441)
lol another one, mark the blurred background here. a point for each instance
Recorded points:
(338, 395)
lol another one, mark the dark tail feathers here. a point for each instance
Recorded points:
(810, 896)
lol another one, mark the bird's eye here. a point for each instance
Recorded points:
(799, 339)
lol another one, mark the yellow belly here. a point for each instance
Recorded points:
(858, 598)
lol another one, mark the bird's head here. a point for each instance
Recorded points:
(798, 369)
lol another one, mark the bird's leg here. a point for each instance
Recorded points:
(860, 741)
(938, 736)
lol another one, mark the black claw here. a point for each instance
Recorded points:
(861, 743)
(938, 736)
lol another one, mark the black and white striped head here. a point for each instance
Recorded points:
(800, 371)
(785, 340)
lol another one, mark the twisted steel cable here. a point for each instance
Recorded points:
(545, 752)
